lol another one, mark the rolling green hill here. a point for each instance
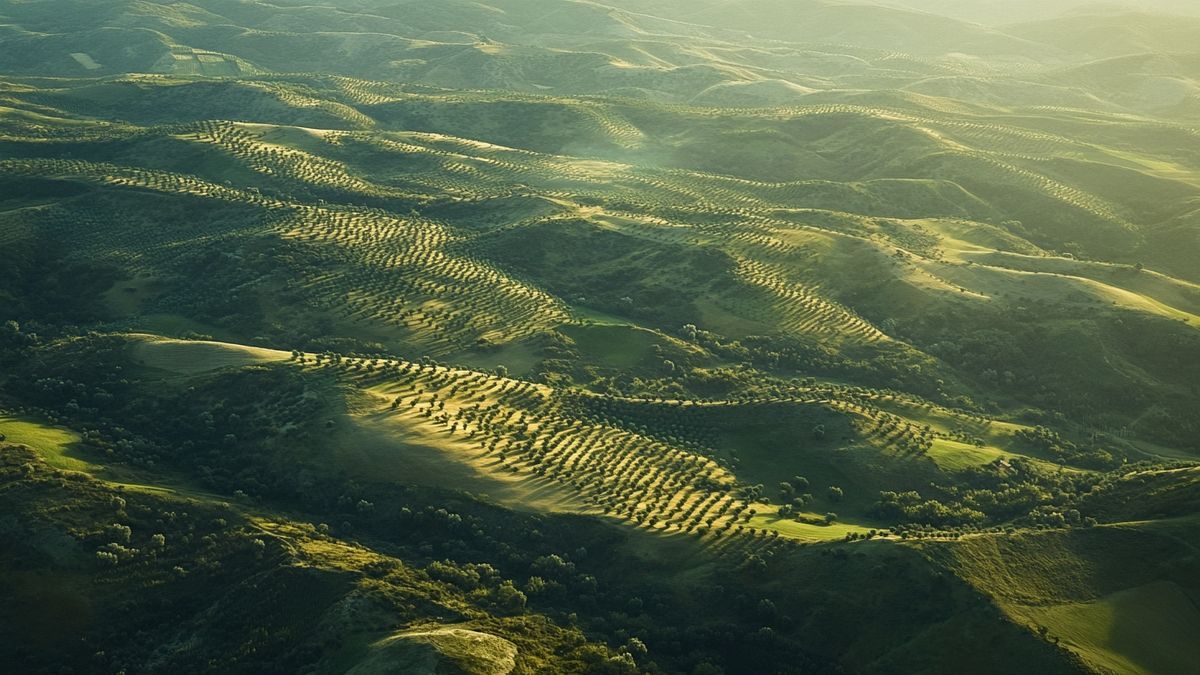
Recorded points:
(523, 336)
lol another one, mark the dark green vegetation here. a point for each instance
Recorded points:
(743, 336)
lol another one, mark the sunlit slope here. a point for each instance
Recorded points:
(422, 221)
(515, 441)
(277, 569)
(222, 565)
(1122, 597)
(694, 466)
(671, 467)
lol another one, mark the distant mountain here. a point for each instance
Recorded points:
(1001, 13)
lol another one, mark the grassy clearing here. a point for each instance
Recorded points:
(85, 60)
(806, 532)
(56, 444)
(61, 449)
(1153, 628)
(951, 455)
(617, 346)
(1122, 596)
(1024, 276)
(518, 357)
(188, 358)
(438, 648)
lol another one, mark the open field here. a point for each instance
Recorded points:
(196, 357)
(53, 442)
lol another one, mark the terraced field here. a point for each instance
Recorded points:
(748, 220)
(593, 454)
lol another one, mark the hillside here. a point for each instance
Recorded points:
(524, 336)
